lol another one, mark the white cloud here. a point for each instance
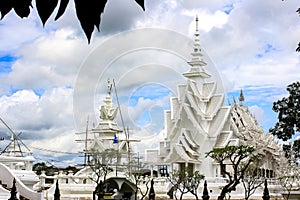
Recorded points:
(258, 113)
(42, 120)
(50, 61)
(207, 20)
(253, 45)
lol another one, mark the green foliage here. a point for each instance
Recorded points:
(102, 162)
(298, 48)
(288, 109)
(251, 181)
(237, 157)
(39, 167)
(295, 148)
(186, 180)
(233, 153)
(51, 170)
(289, 178)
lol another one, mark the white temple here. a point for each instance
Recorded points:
(198, 122)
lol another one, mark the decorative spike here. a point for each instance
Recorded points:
(109, 85)
(151, 191)
(197, 23)
(241, 97)
(13, 192)
(57, 192)
(229, 103)
(266, 195)
(205, 192)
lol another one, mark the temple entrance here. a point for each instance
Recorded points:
(119, 188)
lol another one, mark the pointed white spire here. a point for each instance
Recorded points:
(108, 99)
(197, 30)
(197, 63)
(241, 97)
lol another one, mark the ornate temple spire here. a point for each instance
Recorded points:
(241, 97)
(197, 63)
(108, 100)
(107, 111)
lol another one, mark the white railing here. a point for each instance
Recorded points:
(7, 177)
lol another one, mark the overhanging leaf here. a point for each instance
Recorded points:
(98, 7)
(5, 7)
(141, 3)
(22, 7)
(298, 48)
(62, 8)
(89, 14)
(45, 8)
(84, 15)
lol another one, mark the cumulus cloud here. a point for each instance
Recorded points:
(257, 112)
(41, 120)
(252, 44)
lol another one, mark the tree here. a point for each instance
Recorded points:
(288, 125)
(146, 182)
(136, 175)
(39, 167)
(185, 180)
(88, 12)
(289, 177)
(101, 163)
(239, 159)
(251, 181)
(51, 170)
(288, 109)
(292, 148)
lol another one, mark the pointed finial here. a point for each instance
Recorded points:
(57, 192)
(205, 192)
(109, 85)
(229, 103)
(13, 192)
(234, 101)
(266, 195)
(196, 23)
(241, 97)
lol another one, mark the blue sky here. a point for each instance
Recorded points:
(251, 44)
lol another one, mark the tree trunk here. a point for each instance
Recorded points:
(181, 195)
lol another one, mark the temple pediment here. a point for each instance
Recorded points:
(178, 155)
